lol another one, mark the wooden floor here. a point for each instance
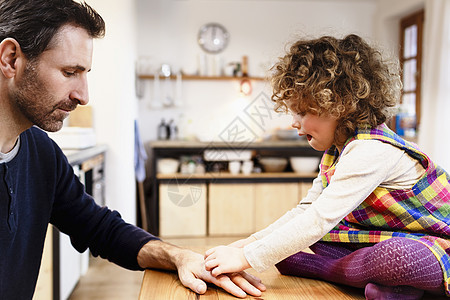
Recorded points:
(105, 280)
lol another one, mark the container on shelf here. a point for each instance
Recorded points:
(273, 164)
(304, 163)
(167, 165)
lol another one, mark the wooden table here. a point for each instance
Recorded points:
(160, 285)
(165, 285)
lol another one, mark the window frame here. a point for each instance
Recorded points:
(417, 19)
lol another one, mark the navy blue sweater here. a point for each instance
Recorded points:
(39, 187)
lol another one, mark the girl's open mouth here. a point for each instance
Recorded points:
(309, 137)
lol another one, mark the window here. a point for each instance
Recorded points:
(411, 35)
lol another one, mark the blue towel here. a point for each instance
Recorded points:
(140, 155)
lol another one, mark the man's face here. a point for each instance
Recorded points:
(56, 82)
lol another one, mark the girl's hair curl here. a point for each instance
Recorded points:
(344, 78)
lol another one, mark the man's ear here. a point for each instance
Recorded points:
(10, 53)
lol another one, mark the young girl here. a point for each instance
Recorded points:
(377, 216)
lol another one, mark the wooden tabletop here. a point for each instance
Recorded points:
(161, 285)
(165, 285)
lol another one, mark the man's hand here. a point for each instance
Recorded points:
(225, 259)
(192, 271)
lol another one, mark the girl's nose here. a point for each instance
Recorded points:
(296, 122)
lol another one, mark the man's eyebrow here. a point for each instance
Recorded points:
(80, 68)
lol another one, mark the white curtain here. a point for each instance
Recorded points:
(434, 131)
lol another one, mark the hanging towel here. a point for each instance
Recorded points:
(140, 156)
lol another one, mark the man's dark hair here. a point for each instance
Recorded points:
(33, 23)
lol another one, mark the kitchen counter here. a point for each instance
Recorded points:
(231, 145)
(77, 157)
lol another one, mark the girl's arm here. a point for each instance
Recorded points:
(362, 167)
(227, 259)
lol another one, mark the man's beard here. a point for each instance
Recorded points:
(36, 104)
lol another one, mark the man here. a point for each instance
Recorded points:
(45, 55)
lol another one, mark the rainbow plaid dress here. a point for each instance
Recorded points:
(421, 213)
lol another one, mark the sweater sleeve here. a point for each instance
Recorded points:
(357, 174)
(103, 231)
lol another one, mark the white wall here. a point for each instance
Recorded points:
(167, 31)
(387, 21)
(112, 96)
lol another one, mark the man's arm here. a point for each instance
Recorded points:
(191, 270)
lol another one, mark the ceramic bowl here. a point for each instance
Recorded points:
(167, 165)
(273, 164)
(304, 163)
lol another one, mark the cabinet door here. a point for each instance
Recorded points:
(272, 200)
(303, 188)
(231, 209)
(182, 209)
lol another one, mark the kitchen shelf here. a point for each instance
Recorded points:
(196, 77)
(227, 175)
(266, 181)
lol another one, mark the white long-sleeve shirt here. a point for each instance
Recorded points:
(363, 166)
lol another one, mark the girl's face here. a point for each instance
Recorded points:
(319, 130)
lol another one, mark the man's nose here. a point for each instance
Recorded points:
(81, 92)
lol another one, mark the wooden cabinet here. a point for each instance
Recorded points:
(182, 209)
(244, 208)
(272, 200)
(304, 188)
(231, 208)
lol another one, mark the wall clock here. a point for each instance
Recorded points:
(213, 38)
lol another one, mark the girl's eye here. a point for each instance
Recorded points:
(67, 73)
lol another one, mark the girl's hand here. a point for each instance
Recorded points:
(225, 259)
(243, 242)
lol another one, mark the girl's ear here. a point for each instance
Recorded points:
(10, 53)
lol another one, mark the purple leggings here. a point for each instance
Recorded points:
(394, 262)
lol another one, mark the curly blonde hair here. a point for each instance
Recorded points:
(343, 78)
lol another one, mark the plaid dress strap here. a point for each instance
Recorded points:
(421, 213)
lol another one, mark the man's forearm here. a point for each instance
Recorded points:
(159, 255)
